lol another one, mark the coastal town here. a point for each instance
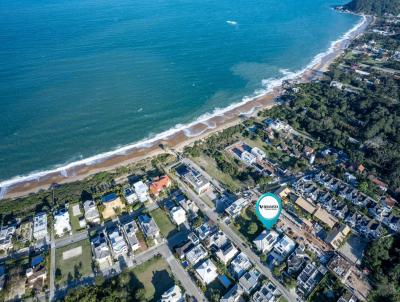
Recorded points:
(181, 226)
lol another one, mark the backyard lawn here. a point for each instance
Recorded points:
(73, 261)
(155, 275)
(167, 228)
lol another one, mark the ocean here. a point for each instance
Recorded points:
(80, 78)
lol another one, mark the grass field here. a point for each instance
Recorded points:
(209, 164)
(167, 228)
(155, 275)
(74, 219)
(75, 267)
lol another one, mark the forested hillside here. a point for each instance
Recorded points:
(374, 7)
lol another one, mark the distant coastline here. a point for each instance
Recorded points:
(181, 135)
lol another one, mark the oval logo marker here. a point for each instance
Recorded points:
(268, 209)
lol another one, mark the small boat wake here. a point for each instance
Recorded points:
(232, 23)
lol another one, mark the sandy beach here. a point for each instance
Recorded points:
(21, 186)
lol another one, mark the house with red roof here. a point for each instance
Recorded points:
(159, 184)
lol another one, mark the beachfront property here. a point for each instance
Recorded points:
(249, 280)
(266, 241)
(194, 178)
(62, 224)
(267, 293)
(174, 294)
(130, 229)
(283, 248)
(101, 251)
(239, 265)
(148, 226)
(130, 195)
(112, 203)
(91, 213)
(159, 184)
(40, 226)
(6, 237)
(206, 271)
(142, 191)
(178, 215)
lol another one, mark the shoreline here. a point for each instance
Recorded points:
(180, 136)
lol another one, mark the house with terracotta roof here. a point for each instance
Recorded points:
(160, 184)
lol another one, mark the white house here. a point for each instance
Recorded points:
(207, 271)
(248, 158)
(141, 190)
(266, 241)
(61, 222)
(174, 294)
(196, 254)
(227, 252)
(117, 242)
(258, 153)
(40, 226)
(240, 265)
(6, 235)
(91, 213)
(178, 215)
(284, 248)
(130, 195)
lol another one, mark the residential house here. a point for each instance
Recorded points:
(130, 229)
(40, 226)
(178, 215)
(194, 178)
(226, 252)
(239, 265)
(101, 251)
(142, 191)
(130, 195)
(267, 293)
(308, 279)
(62, 224)
(233, 295)
(283, 248)
(296, 261)
(174, 294)
(207, 271)
(195, 254)
(258, 153)
(36, 274)
(149, 226)
(182, 250)
(117, 242)
(348, 297)
(266, 241)
(91, 213)
(6, 236)
(160, 184)
(249, 280)
(236, 207)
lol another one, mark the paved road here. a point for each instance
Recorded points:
(182, 275)
(52, 267)
(235, 239)
(71, 239)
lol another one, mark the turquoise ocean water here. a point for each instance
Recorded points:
(82, 77)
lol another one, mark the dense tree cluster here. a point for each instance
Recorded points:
(374, 7)
(383, 259)
(124, 287)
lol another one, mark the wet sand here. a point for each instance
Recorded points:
(182, 138)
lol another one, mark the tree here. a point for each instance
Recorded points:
(252, 228)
